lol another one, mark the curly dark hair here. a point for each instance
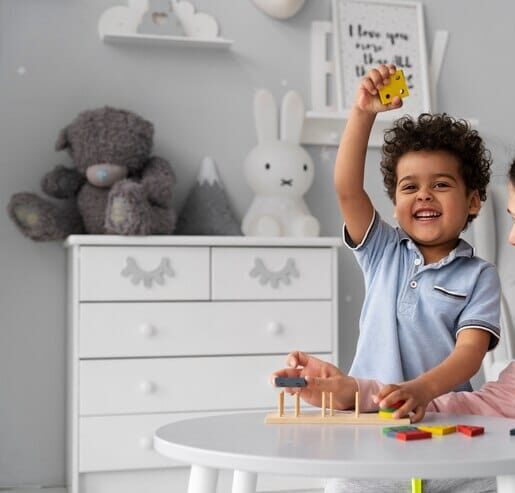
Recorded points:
(437, 132)
(511, 173)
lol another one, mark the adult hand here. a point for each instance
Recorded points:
(321, 376)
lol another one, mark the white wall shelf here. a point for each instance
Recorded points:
(324, 124)
(160, 40)
(119, 25)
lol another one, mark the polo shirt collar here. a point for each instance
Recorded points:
(463, 249)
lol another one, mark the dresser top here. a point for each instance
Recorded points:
(178, 240)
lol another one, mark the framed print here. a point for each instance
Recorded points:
(370, 32)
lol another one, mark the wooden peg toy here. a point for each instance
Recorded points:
(322, 417)
(396, 87)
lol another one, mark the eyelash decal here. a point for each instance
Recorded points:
(274, 278)
(137, 274)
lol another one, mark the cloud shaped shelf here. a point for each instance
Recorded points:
(119, 25)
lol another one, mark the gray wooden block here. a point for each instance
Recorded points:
(160, 19)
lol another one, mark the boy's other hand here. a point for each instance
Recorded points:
(321, 376)
(367, 97)
(415, 397)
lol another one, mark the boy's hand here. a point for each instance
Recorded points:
(414, 394)
(321, 376)
(367, 98)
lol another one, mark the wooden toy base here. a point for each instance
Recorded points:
(339, 417)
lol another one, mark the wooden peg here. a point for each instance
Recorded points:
(323, 404)
(297, 404)
(331, 407)
(356, 405)
(281, 403)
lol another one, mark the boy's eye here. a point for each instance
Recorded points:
(441, 184)
(408, 188)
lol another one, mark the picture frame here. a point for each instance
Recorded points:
(369, 32)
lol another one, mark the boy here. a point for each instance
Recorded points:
(431, 308)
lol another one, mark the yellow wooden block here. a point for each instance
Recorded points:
(385, 414)
(438, 429)
(396, 87)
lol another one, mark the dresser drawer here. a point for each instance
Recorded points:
(204, 328)
(271, 273)
(128, 386)
(144, 273)
(121, 442)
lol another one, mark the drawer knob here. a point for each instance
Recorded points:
(266, 275)
(146, 443)
(137, 274)
(147, 330)
(147, 387)
(274, 328)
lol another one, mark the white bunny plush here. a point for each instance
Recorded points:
(279, 172)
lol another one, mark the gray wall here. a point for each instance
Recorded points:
(200, 102)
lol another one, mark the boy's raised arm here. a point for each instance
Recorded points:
(356, 207)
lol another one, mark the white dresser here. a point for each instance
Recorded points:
(162, 328)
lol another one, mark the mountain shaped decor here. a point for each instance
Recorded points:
(206, 210)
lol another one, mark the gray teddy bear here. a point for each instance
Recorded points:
(115, 187)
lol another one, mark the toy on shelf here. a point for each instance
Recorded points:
(206, 210)
(160, 22)
(327, 414)
(279, 171)
(396, 87)
(116, 185)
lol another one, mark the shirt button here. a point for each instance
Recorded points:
(413, 284)
(418, 261)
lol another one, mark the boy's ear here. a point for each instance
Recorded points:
(474, 203)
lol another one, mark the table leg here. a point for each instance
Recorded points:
(505, 484)
(244, 482)
(202, 480)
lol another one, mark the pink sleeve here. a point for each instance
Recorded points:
(367, 389)
(493, 399)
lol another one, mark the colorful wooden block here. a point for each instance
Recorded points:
(470, 431)
(416, 485)
(290, 382)
(392, 430)
(385, 414)
(413, 435)
(396, 87)
(438, 429)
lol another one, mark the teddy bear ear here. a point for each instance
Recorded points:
(62, 140)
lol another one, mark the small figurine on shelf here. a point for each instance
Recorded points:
(279, 171)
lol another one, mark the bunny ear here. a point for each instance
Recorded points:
(265, 114)
(292, 117)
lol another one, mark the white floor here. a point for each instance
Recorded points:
(63, 490)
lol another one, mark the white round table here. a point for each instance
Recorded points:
(243, 442)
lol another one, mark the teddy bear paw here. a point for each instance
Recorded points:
(128, 212)
(34, 216)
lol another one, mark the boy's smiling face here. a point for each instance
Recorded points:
(431, 201)
(511, 210)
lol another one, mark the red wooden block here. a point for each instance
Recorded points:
(397, 404)
(470, 431)
(413, 435)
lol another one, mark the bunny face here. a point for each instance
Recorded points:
(280, 169)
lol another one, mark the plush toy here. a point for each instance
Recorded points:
(279, 172)
(115, 186)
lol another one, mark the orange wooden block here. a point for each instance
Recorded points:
(470, 431)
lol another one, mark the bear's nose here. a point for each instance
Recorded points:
(102, 174)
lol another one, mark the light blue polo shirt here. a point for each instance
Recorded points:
(412, 313)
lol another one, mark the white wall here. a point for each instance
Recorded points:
(200, 102)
